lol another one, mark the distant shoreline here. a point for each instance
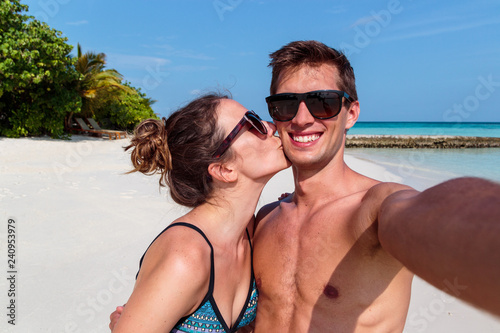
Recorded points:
(447, 123)
(420, 141)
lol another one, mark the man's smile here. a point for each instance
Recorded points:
(304, 138)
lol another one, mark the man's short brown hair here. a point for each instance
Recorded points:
(314, 54)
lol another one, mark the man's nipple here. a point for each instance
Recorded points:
(331, 292)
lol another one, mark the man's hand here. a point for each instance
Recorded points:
(284, 195)
(115, 316)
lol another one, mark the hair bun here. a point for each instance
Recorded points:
(150, 153)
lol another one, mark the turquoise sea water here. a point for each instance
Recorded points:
(425, 167)
(427, 128)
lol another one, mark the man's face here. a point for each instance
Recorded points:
(308, 142)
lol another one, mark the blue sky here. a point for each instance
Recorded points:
(414, 60)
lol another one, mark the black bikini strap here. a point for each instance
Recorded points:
(212, 265)
(189, 225)
(251, 254)
(249, 240)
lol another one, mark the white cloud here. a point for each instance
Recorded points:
(171, 51)
(441, 30)
(190, 68)
(244, 53)
(135, 61)
(336, 10)
(362, 21)
(78, 22)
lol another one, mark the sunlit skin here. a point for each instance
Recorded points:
(318, 261)
(324, 138)
(257, 156)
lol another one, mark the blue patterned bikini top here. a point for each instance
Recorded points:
(207, 318)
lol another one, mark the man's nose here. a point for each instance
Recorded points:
(303, 116)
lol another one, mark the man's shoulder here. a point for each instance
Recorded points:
(381, 190)
(374, 196)
(367, 209)
(265, 211)
(271, 209)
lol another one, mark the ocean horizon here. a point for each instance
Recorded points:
(422, 168)
(478, 129)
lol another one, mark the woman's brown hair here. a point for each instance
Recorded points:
(180, 148)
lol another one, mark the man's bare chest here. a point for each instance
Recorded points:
(311, 256)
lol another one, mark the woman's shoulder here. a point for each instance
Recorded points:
(174, 278)
(181, 251)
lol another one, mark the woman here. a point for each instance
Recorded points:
(197, 275)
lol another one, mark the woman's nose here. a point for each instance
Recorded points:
(271, 128)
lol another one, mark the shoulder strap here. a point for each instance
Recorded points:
(212, 266)
(189, 225)
(210, 291)
(215, 307)
(249, 240)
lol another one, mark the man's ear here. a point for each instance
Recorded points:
(223, 172)
(352, 115)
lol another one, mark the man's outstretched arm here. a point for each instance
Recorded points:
(449, 235)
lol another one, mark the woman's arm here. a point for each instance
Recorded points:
(172, 283)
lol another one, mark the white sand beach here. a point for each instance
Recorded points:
(82, 224)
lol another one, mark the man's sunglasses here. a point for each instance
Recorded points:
(322, 104)
(250, 117)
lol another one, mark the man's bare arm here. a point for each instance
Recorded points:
(449, 235)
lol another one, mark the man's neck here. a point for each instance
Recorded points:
(312, 186)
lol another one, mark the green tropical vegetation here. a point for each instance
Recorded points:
(128, 110)
(42, 86)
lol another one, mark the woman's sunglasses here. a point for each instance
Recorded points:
(250, 117)
(322, 104)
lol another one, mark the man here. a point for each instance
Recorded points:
(327, 258)
(336, 255)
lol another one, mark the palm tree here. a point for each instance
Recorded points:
(97, 84)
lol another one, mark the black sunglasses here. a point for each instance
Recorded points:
(322, 104)
(250, 117)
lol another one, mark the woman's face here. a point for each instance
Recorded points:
(256, 155)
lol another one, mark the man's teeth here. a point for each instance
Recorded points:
(306, 138)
